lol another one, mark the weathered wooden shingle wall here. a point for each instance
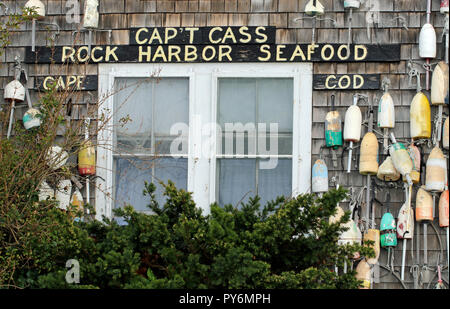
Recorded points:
(120, 15)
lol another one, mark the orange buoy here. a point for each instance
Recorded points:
(414, 153)
(424, 205)
(387, 171)
(363, 274)
(443, 209)
(436, 172)
(420, 115)
(445, 139)
(368, 160)
(439, 84)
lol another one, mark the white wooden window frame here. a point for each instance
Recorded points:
(203, 91)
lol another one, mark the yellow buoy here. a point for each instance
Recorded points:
(424, 205)
(373, 235)
(414, 153)
(436, 172)
(439, 84)
(368, 160)
(387, 171)
(363, 274)
(420, 114)
(445, 138)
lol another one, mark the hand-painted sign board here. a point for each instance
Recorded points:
(346, 81)
(215, 53)
(71, 82)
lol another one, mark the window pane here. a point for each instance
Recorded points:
(275, 182)
(131, 174)
(236, 180)
(133, 114)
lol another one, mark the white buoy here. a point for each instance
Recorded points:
(319, 177)
(427, 41)
(39, 8)
(46, 192)
(14, 92)
(352, 128)
(56, 157)
(63, 193)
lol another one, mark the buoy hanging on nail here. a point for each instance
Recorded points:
(86, 159)
(352, 127)
(319, 177)
(77, 200)
(39, 9)
(56, 157)
(314, 8)
(420, 117)
(63, 193)
(427, 41)
(439, 84)
(443, 209)
(368, 160)
(363, 274)
(386, 112)
(14, 92)
(32, 119)
(388, 231)
(333, 127)
(436, 171)
(405, 222)
(445, 138)
(424, 206)
(387, 171)
(414, 154)
(91, 15)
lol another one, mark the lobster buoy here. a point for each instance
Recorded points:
(86, 159)
(38, 6)
(427, 41)
(314, 8)
(373, 235)
(63, 193)
(388, 231)
(91, 14)
(333, 127)
(45, 192)
(420, 115)
(439, 84)
(443, 209)
(77, 199)
(14, 91)
(386, 112)
(387, 171)
(405, 222)
(352, 125)
(363, 274)
(444, 6)
(445, 138)
(352, 4)
(436, 171)
(319, 177)
(339, 214)
(57, 157)
(424, 205)
(32, 119)
(414, 153)
(401, 159)
(368, 160)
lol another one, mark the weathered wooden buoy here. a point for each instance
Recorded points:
(373, 235)
(45, 191)
(427, 41)
(436, 171)
(363, 274)
(387, 171)
(77, 199)
(38, 6)
(32, 119)
(386, 112)
(333, 127)
(14, 91)
(401, 159)
(388, 231)
(443, 209)
(445, 138)
(57, 157)
(352, 4)
(420, 117)
(352, 125)
(314, 8)
(414, 153)
(368, 160)
(63, 193)
(439, 84)
(86, 159)
(91, 14)
(444, 7)
(405, 222)
(424, 206)
(319, 177)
